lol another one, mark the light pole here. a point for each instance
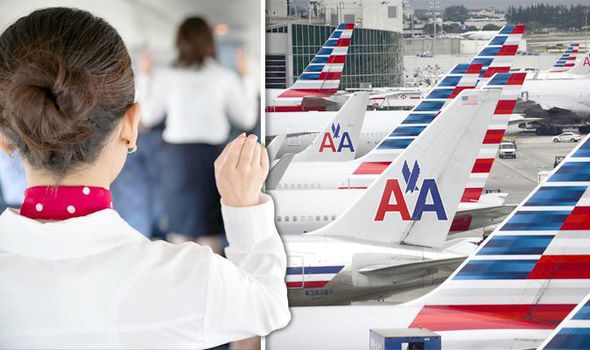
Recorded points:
(434, 6)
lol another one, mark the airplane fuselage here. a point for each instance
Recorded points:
(298, 212)
(567, 94)
(330, 271)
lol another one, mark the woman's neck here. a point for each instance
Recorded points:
(87, 176)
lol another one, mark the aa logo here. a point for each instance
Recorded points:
(393, 200)
(336, 142)
(586, 61)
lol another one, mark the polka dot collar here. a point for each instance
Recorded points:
(64, 202)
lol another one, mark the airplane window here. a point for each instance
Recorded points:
(305, 186)
(310, 218)
(286, 219)
(294, 218)
(333, 217)
(317, 218)
(325, 217)
(279, 219)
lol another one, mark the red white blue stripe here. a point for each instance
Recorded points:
(567, 59)
(324, 72)
(311, 276)
(496, 57)
(533, 270)
(321, 77)
(511, 84)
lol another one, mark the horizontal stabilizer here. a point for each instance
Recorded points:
(276, 173)
(274, 146)
(410, 267)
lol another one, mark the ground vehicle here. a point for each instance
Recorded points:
(558, 159)
(567, 137)
(507, 150)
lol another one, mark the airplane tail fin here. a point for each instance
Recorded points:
(322, 75)
(511, 85)
(339, 139)
(497, 56)
(414, 200)
(463, 76)
(582, 66)
(532, 270)
(567, 60)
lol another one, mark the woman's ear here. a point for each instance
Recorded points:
(130, 128)
(5, 145)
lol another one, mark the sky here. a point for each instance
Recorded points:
(496, 3)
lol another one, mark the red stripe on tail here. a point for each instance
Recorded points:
(483, 165)
(493, 136)
(371, 168)
(471, 194)
(493, 70)
(579, 219)
(561, 267)
(505, 107)
(468, 317)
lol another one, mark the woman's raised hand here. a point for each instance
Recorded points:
(240, 171)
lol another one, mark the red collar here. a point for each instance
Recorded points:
(64, 202)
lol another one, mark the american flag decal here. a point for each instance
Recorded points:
(469, 100)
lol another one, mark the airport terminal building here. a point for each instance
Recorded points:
(375, 57)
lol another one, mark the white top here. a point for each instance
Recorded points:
(95, 282)
(198, 103)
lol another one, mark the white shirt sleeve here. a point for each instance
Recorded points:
(151, 95)
(247, 294)
(242, 101)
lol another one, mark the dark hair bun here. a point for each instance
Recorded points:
(65, 83)
(49, 104)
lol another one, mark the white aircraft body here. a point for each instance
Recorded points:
(566, 94)
(511, 293)
(299, 212)
(391, 239)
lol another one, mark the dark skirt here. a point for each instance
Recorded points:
(191, 200)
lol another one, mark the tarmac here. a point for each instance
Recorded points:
(518, 177)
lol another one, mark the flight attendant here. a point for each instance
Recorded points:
(199, 100)
(73, 274)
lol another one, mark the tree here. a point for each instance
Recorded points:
(539, 16)
(456, 13)
(490, 27)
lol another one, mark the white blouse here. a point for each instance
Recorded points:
(199, 104)
(95, 282)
